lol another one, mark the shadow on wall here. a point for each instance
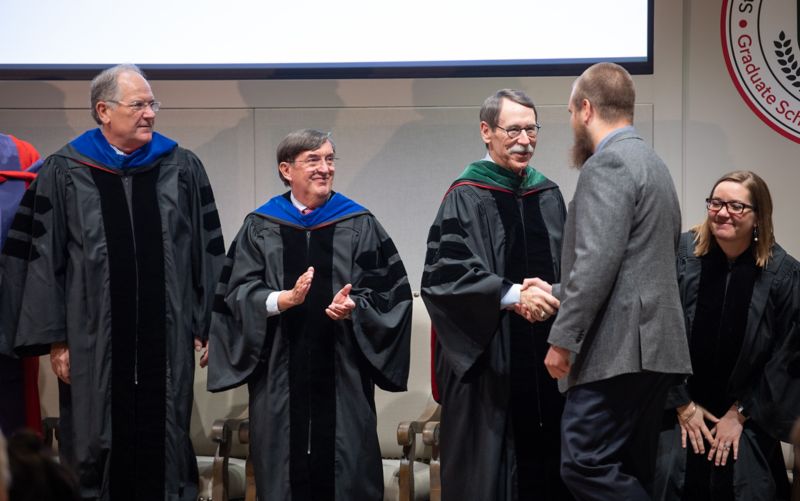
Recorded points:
(272, 122)
(50, 125)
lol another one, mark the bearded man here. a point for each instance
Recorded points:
(619, 338)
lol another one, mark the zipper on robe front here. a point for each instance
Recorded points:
(126, 185)
(308, 351)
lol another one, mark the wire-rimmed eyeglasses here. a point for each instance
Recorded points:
(139, 106)
(314, 161)
(513, 132)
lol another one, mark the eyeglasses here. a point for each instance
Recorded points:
(514, 131)
(314, 161)
(716, 205)
(139, 106)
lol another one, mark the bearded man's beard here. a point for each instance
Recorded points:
(582, 147)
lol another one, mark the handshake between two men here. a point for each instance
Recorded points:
(537, 304)
(536, 300)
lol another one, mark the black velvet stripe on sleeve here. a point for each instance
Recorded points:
(379, 258)
(22, 222)
(388, 248)
(17, 247)
(434, 234)
(38, 229)
(444, 274)
(216, 246)
(42, 205)
(26, 223)
(457, 251)
(20, 249)
(225, 274)
(385, 304)
(28, 199)
(452, 227)
(220, 306)
(371, 260)
(211, 220)
(384, 282)
(206, 195)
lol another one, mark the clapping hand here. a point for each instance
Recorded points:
(342, 304)
(297, 295)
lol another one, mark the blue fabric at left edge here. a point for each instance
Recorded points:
(11, 191)
(336, 208)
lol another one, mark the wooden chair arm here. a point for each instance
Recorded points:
(250, 479)
(244, 431)
(407, 432)
(222, 434)
(430, 436)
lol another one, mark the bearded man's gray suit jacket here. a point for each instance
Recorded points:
(620, 310)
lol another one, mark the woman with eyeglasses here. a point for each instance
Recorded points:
(739, 290)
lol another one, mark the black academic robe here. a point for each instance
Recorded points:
(765, 380)
(121, 265)
(311, 379)
(501, 411)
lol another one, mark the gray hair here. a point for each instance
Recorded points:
(298, 142)
(490, 111)
(105, 88)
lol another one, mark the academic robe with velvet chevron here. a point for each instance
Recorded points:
(311, 379)
(121, 264)
(501, 411)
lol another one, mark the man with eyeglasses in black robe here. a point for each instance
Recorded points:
(110, 267)
(499, 226)
(313, 310)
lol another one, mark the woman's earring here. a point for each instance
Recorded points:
(755, 233)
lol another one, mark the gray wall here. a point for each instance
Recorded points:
(402, 141)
